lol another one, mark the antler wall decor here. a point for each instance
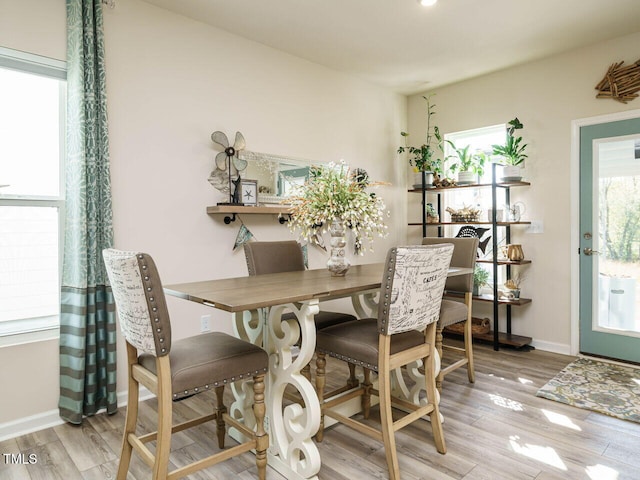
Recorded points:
(620, 83)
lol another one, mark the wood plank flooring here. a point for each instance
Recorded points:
(495, 429)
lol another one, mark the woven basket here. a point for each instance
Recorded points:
(479, 326)
(460, 218)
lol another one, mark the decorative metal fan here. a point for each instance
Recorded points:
(229, 161)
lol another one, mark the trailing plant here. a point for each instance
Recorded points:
(512, 152)
(424, 157)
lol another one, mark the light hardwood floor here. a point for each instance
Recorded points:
(494, 429)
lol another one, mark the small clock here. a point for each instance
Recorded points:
(249, 192)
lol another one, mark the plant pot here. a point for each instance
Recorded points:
(511, 173)
(417, 180)
(467, 178)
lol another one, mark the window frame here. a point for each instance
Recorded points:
(16, 332)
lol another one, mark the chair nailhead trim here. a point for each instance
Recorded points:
(345, 358)
(216, 384)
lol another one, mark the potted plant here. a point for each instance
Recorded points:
(512, 153)
(424, 158)
(333, 199)
(480, 279)
(468, 165)
(513, 285)
(432, 214)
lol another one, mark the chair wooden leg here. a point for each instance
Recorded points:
(262, 439)
(221, 428)
(366, 394)
(468, 341)
(306, 371)
(321, 362)
(163, 442)
(440, 377)
(352, 381)
(386, 416)
(432, 396)
(131, 418)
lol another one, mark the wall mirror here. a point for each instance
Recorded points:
(276, 174)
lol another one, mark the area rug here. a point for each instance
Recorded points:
(599, 386)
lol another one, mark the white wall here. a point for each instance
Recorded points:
(171, 82)
(546, 96)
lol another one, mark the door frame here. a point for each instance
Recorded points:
(575, 213)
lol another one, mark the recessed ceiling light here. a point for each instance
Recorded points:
(427, 3)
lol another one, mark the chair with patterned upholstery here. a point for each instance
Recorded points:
(404, 332)
(465, 252)
(174, 370)
(287, 256)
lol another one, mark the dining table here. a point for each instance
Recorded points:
(257, 304)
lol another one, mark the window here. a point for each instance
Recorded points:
(32, 129)
(479, 139)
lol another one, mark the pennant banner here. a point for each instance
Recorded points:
(244, 235)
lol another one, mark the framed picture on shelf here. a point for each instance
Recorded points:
(249, 192)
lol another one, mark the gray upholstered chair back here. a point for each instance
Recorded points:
(273, 257)
(140, 301)
(412, 287)
(465, 251)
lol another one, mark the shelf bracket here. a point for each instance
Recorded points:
(284, 218)
(228, 219)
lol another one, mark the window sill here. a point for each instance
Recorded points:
(29, 337)
(20, 332)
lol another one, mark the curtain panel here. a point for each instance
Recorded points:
(87, 313)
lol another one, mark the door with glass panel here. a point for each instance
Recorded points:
(610, 240)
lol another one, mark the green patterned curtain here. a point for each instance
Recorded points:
(87, 317)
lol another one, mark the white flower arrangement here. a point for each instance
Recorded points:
(333, 191)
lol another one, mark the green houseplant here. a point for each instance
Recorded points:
(480, 279)
(512, 152)
(425, 157)
(468, 165)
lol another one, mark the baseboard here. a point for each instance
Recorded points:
(553, 347)
(51, 418)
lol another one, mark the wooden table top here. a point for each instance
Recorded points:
(251, 292)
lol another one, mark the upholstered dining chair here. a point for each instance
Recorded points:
(465, 251)
(287, 256)
(174, 370)
(410, 297)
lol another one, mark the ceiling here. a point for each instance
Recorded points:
(409, 48)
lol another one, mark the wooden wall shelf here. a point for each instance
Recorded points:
(489, 298)
(473, 185)
(462, 224)
(504, 339)
(230, 211)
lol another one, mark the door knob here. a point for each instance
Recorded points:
(588, 252)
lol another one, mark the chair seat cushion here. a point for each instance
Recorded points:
(452, 312)
(209, 360)
(325, 319)
(357, 342)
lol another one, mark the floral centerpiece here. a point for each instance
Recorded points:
(333, 198)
